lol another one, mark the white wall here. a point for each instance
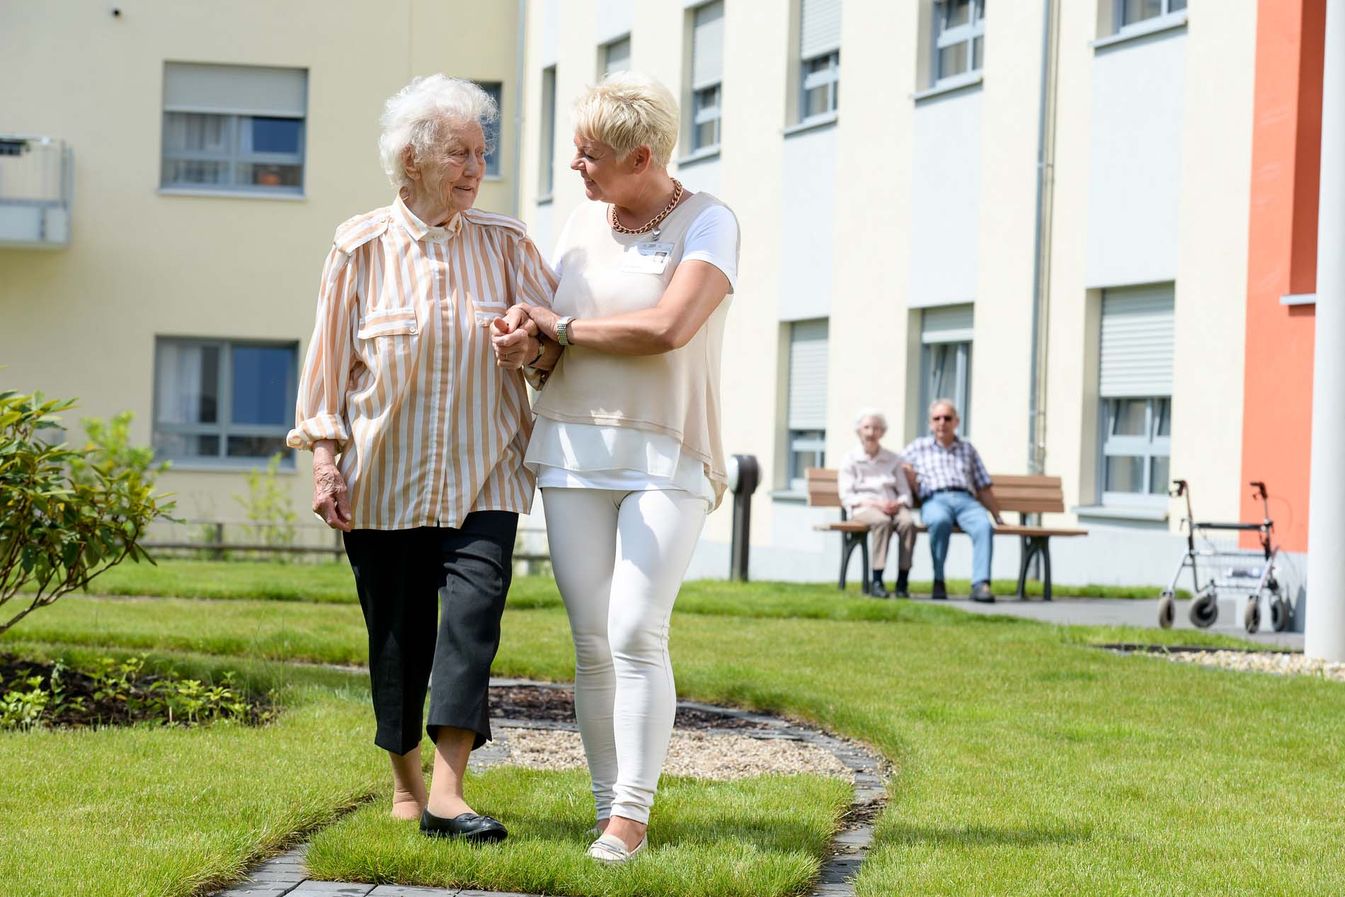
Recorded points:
(945, 178)
(808, 179)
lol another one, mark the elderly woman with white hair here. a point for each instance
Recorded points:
(627, 446)
(874, 487)
(418, 435)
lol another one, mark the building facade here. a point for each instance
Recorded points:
(1040, 210)
(207, 154)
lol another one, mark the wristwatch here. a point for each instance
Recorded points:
(563, 330)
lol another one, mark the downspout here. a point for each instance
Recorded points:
(519, 70)
(1041, 257)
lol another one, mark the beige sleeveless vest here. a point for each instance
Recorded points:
(676, 393)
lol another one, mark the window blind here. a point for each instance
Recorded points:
(808, 375)
(819, 27)
(235, 89)
(707, 46)
(1137, 340)
(947, 324)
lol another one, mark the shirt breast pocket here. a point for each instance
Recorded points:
(386, 333)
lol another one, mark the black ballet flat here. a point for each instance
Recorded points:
(469, 827)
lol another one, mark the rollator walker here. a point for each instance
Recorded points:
(1214, 569)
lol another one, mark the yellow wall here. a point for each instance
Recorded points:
(82, 321)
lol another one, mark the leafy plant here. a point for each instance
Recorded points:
(67, 515)
(269, 508)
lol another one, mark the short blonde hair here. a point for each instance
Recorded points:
(627, 110)
(416, 115)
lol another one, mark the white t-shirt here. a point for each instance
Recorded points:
(592, 456)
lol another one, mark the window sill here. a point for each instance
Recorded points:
(789, 496)
(816, 123)
(705, 154)
(1299, 299)
(231, 194)
(240, 465)
(1123, 512)
(1169, 22)
(948, 86)
(546, 200)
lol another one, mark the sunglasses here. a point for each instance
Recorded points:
(939, 417)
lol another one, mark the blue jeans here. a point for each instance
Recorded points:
(940, 511)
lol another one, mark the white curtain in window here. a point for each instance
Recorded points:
(808, 375)
(1137, 340)
(179, 382)
(707, 45)
(819, 27)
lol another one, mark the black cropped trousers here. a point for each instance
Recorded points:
(432, 599)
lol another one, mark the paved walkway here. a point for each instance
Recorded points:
(1122, 612)
(287, 876)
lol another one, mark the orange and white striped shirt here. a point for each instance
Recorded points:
(401, 373)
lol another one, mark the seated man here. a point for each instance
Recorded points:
(954, 488)
(873, 487)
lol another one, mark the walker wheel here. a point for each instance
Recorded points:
(1281, 614)
(1251, 615)
(1205, 610)
(1167, 610)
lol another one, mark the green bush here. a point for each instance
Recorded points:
(67, 515)
(269, 508)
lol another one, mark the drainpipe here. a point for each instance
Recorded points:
(1041, 257)
(520, 48)
(1325, 621)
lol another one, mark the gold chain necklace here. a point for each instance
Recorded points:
(652, 223)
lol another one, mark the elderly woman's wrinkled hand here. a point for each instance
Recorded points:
(513, 348)
(540, 317)
(331, 499)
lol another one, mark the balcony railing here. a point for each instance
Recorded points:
(36, 188)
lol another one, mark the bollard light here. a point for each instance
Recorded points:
(744, 477)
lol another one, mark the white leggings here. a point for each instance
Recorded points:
(619, 558)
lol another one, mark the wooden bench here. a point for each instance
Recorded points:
(1022, 495)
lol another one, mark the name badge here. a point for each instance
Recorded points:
(646, 258)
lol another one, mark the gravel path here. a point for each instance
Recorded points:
(1263, 662)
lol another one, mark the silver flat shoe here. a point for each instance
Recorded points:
(611, 849)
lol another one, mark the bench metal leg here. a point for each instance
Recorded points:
(849, 542)
(1030, 547)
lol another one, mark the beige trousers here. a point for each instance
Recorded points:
(881, 534)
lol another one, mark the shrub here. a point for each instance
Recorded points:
(269, 508)
(66, 515)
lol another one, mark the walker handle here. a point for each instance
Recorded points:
(1258, 489)
(1179, 489)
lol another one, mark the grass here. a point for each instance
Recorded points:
(757, 837)
(325, 582)
(155, 811)
(1028, 762)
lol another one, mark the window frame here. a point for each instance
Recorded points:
(547, 155)
(234, 157)
(494, 141)
(1147, 447)
(223, 426)
(827, 78)
(706, 115)
(968, 33)
(605, 55)
(1168, 8)
(799, 443)
(961, 393)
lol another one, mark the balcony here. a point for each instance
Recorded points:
(36, 188)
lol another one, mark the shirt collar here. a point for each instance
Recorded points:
(419, 230)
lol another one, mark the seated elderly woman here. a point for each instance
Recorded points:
(874, 485)
(418, 435)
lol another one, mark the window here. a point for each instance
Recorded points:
(945, 360)
(1135, 387)
(616, 56)
(1132, 12)
(547, 154)
(496, 91)
(234, 129)
(707, 74)
(820, 58)
(807, 415)
(959, 37)
(223, 401)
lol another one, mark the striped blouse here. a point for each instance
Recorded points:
(401, 373)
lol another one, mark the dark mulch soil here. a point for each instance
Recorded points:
(556, 705)
(81, 707)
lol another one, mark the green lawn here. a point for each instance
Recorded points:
(1027, 761)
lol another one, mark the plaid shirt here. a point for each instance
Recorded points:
(958, 466)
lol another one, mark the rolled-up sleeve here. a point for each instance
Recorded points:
(534, 281)
(320, 409)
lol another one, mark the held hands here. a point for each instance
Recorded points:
(331, 500)
(514, 338)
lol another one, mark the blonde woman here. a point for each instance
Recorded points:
(627, 442)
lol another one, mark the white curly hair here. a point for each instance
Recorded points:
(415, 116)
